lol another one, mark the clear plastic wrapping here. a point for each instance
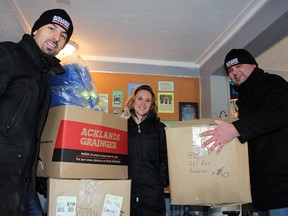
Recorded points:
(74, 86)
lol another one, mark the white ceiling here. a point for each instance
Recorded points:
(172, 33)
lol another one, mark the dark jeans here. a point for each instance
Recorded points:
(274, 212)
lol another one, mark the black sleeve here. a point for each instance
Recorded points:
(271, 114)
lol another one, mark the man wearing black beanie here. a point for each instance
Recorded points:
(25, 68)
(263, 123)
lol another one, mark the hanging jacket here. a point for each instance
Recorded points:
(24, 103)
(263, 122)
(147, 164)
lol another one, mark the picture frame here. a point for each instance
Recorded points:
(117, 98)
(166, 86)
(165, 102)
(188, 111)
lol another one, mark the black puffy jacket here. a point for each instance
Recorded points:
(24, 103)
(263, 122)
(147, 165)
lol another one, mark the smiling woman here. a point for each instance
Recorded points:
(147, 154)
(141, 102)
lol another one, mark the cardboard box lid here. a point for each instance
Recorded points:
(69, 112)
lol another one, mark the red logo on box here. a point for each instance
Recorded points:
(79, 142)
(90, 137)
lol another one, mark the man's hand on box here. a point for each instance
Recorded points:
(221, 135)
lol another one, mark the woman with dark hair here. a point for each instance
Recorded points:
(147, 154)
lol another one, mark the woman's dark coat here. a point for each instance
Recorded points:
(147, 165)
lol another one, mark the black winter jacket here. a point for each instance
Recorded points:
(263, 122)
(24, 103)
(147, 165)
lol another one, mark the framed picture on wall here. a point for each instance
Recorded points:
(165, 102)
(165, 86)
(188, 111)
(117, 98)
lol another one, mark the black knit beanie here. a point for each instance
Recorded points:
(238, 56)
(55, 16)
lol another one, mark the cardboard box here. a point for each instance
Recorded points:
(88, 197)
(83, 143)
(199, 178)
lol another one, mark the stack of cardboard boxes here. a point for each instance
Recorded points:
(84, 154)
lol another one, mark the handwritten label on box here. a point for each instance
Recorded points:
(112, 205)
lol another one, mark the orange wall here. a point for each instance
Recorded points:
(185, 89)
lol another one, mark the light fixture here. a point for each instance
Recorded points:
(69, 49)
